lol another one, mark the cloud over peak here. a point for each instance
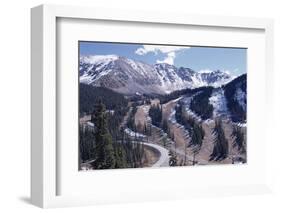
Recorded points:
(169, 51)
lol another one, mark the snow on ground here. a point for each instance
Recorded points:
(93, 59)
(193, 114)
(197, 81)
(187, 102)
(172, 119)
(133, 134)
(241, 124)
(240, 96)
(88, 79)
(218, 101)
(164, 153)
(99, 62)
(90, 124)
(176, 100)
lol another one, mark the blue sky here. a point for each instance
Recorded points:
(233, 60)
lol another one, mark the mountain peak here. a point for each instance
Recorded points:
(129, 76)
(163, 65)
(205, 71)
(93, 59)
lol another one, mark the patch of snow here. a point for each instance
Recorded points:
(221, 82)
(94, 59)
(172, 117)
(193, 114)
(205, 71)
(110, 111)
(131, 133)
(132, 63)
(85, 79)
(240, 96)
(187, 102)
(176, 100)
(90, 124)
(241, 124)
(209, 121)
(197, 81)
(219, 103)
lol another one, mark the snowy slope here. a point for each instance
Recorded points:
(241, 97)
(128, 76)
(219, 103)
(228, 101)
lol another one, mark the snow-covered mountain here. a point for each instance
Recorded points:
(231, 100)
(228, 101)
(128, 76)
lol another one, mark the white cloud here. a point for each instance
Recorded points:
(170, 52)
(169, 58)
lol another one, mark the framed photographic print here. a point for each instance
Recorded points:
(149, 106)
(137, 110)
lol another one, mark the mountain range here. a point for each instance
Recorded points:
(128, 76)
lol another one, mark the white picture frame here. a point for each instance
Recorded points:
(44, 154)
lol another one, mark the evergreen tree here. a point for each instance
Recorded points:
(164, 141)
(179, 112)
(155, 112)
(105, 158)
(172, 136)
(173, 159)
(165, 126)
(200, 103)
(120, 156)
(220, 150)
(197, 134)
(145, 129)
(86, 144)
(239, 138)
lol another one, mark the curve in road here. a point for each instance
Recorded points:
(164, 155)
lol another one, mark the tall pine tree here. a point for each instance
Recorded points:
(239, 138)
(220, 150)
(105, 158)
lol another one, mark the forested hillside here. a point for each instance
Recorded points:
(90, 95)
(235, 93)
(106, 146)
(200, 103)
